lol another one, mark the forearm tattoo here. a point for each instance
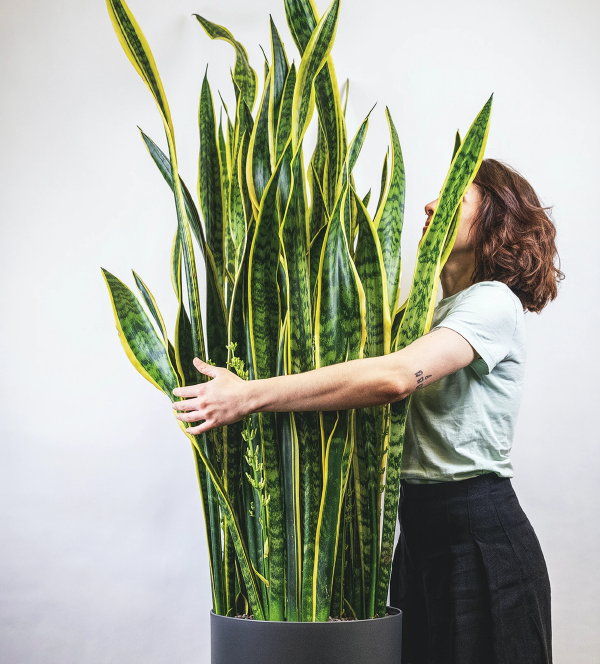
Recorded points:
(421, 379)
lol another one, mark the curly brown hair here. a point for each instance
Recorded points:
(514, 237)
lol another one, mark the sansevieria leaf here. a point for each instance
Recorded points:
(390, 218)
(244, 77)
(315, 55)
(264, 324)
(145, 349)
(340, 333)
(138, 51)
(302, 19)
(461, 174)
(419, 312)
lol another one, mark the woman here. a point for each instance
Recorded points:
(468, 570)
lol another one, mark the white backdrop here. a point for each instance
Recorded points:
(103, 555)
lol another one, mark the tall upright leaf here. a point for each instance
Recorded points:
(340, 335)
(416, 320)
(244, 77)
(315, 55)
(212, 206)
(264, 323)
(302, 19)
(390, 218)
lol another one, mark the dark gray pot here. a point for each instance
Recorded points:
(243, 641)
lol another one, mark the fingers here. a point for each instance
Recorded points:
(191, 416)
(199, 428)
(192, 390)
(187, 391)
(204, 367)
(189, 406)
(202, 428)
(186, 404)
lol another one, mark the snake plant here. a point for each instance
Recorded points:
(300, 508)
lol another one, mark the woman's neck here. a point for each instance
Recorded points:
(456, 273)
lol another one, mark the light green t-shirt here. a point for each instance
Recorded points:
(462, 425)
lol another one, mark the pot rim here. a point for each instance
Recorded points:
(396, 612)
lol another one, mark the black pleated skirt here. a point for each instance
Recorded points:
(470, 576)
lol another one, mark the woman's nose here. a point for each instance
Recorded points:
(430, 207)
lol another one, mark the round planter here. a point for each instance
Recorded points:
(241, 640)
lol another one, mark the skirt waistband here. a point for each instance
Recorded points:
(472, 486)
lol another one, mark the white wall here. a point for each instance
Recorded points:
(103, 554)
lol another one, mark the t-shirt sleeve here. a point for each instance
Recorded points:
(486, 316)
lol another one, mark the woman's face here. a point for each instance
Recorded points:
(470, 205)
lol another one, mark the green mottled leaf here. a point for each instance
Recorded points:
(258, 164)
(417, 317)
(313, 58)
(244, 76)
(390, 219)
(144, 348)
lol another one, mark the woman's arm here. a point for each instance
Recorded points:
(355, 384)
(366, 382)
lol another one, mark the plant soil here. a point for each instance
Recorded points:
(248, 616)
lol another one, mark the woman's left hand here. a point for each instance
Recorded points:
(220, 401)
